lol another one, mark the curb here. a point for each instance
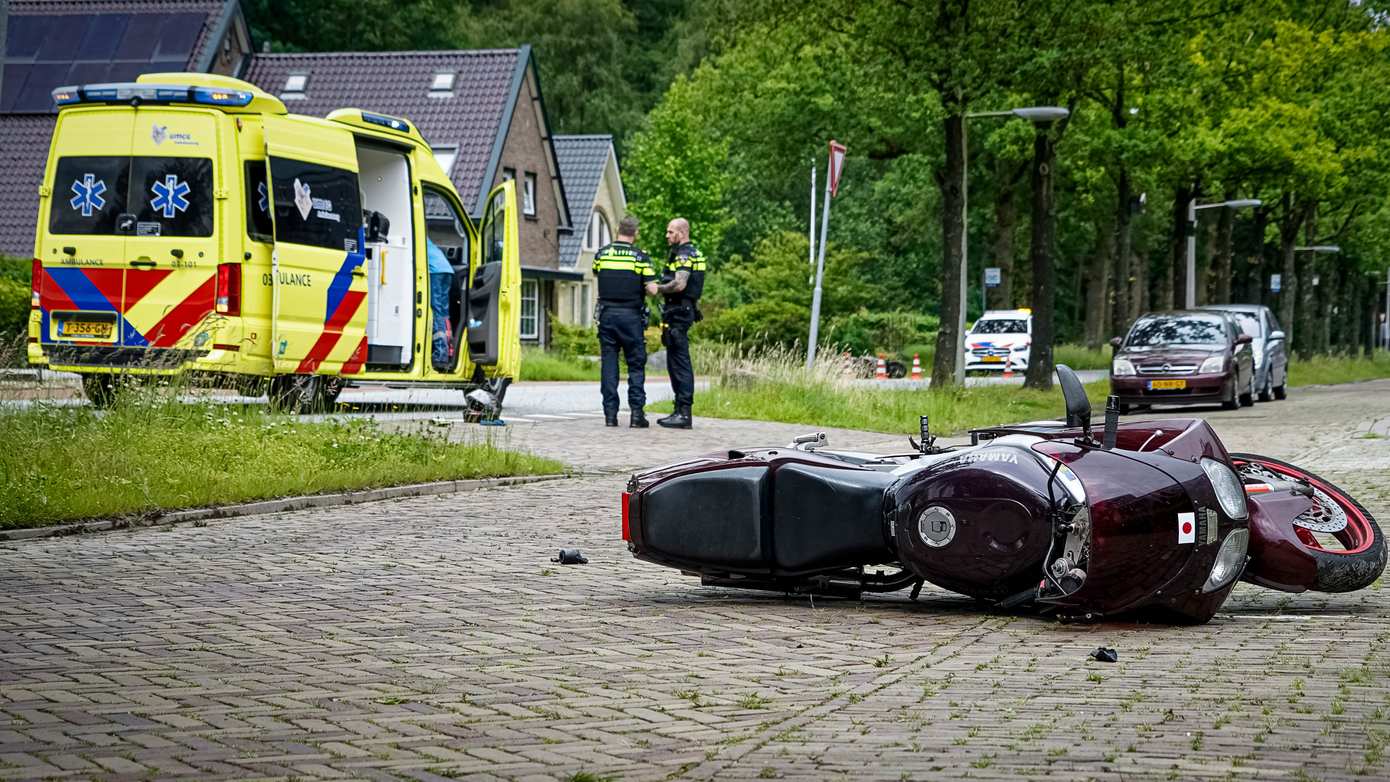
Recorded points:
(273, 506)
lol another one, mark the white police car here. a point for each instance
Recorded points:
(999, 339)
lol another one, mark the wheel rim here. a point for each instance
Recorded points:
(1326, 515)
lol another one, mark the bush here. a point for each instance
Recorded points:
(761, 322)
(572, 340)
(14, 296)
(889, 332)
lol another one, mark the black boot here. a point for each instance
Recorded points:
(638, 420)
(677, 420)
(610, 419)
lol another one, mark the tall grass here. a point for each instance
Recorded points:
(1081, 357)
(153, 452)
(773, 384)
(538, 364)
(1326, 370)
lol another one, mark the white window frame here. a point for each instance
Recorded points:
(598, 233)
(445, 155)
(585, 311)
(531, 294)
(296, 85)
(442, 85)
(528, 195)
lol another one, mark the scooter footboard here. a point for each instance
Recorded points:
(764, 518)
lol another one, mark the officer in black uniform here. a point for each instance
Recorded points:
(681, 286)
(625, 276)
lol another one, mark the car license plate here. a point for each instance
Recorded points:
(993, 359)
(1167, 385)
(86, 329)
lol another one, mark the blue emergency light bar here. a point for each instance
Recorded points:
(384, 121)
(150, 93)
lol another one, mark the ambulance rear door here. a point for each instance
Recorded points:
(81, 247)
(494, 297)
(319, 308)
(173, 241)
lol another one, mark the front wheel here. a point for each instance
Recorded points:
(1281, 391)
(100, 389)
(1232, 403)
(1247, 399)
(1333, 531)
(297, 394)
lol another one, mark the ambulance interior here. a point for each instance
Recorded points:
(384, 179)
(443, 228)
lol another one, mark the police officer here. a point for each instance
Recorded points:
(625, 276)
(681, 286)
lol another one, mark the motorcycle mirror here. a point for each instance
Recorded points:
(1078, 406)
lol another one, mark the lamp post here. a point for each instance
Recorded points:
(1190, 299)
(1038, 115)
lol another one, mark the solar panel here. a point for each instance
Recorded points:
(102, 37)
(141, 38)
(178, 36)
(15, 76)
(64, 39)
(37, 94)
(24, 35)
(88, 73)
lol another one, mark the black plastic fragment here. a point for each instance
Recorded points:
(570, 556)
(1105, 655)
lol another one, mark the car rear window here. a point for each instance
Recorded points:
(158, 196)
(315, 205)
(1184, 330)
(1000, 326)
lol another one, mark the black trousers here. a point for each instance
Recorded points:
(678, 362)
(621, 329)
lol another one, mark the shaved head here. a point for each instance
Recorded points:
(678, 231)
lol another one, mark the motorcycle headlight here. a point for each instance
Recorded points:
(1229, 560)
(1122, 367)
(1212, 365)
(1229, 492)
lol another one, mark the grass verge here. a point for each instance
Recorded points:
(772, 385)
(1327, 370)
(63, 464)
(538, 364)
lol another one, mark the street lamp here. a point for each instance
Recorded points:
(1038, 115)
(1192, 207)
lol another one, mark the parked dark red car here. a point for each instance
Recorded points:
(1182, 358)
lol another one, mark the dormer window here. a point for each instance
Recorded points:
(443, 85)
(295, 85)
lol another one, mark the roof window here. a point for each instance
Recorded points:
(443, 85)
(295, 84)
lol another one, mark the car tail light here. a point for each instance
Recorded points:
(36, 285)
(229, 288)
(626, 534)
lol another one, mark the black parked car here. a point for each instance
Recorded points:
(1268, 343)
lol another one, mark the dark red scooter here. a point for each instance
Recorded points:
(1154, 516)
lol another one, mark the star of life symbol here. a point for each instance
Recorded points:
(87, 194)
(262, 198)
(170, 196)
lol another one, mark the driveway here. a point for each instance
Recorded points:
(432, 638)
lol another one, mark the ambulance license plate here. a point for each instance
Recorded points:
(87, 328)
(993, 359)
(1167, 385)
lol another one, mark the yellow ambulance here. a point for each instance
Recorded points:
(188, 224)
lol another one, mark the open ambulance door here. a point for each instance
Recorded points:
(494, 297)
(318, 301)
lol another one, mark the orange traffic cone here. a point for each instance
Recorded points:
(881, 371)
(1009, 368)
(916, 367)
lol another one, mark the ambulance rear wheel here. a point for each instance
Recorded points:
(332, 387)
(297, 394)
(100, 389)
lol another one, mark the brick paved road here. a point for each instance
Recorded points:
(431, 637)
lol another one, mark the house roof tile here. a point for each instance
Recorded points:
(582, 160)
(398, 83)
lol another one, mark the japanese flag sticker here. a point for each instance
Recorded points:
(1187, 528)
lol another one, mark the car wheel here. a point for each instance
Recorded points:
(296, 394)
(1280, 392)
(1267, 393)
(1247, 399)
(1232, 402)
(100, 389)
(1125, 408)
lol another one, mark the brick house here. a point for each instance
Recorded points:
(597, 202)
(481, 110)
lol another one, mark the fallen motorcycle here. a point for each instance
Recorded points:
(1154, 517)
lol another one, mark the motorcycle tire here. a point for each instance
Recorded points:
(1361, 561)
